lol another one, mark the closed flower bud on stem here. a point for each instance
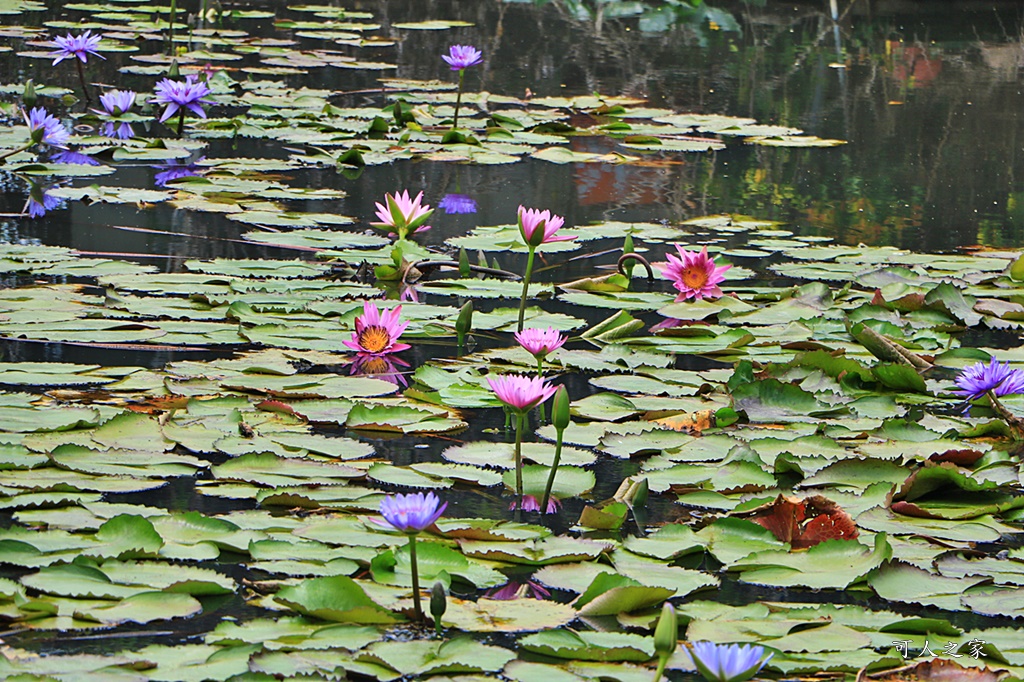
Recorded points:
(438, 604)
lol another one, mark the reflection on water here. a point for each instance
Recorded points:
(927, 94)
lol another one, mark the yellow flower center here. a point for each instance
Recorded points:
(374, 339)
(695, 277)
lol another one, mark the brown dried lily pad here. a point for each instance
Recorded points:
(935, 670)
(962, 458)
(804, 522)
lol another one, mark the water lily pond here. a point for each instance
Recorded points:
(553, 340)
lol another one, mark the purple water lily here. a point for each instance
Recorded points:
(71, 47)
(728, 662)
(180, 96)
(116, 102)
(45, 129)
(412, 514)
(462, 57)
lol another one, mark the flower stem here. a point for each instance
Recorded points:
(520, 427)
(181, 121)
(458, 99)
(540, 375)
(418, 610)
(81, 78)
(170, 33)
(660, 672)
(526, 286)
(1015, 423)
(554, 470)
(3, 157)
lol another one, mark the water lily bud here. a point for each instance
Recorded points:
(464, 271)
(438, 601)
(560, 411)
(627, 247)
(464, 323)
(666, 634)
(28, 95)
(174, 72)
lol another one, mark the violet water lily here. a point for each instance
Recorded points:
(728, 662)
(116, 103)
(376, 332)
(182, 96)
(993, 380)
(460, 58)
(402, 215)
(694, 275)
(44, 128)
(520, 395)
(412, 514)
(536, 228)
(78, 48)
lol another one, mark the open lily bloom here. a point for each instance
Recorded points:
(72, 47)
(540, 342)
(978, 379)
(462, 57)
(728, 662)
(45, 129)
(377, 333)
(521, 393)
(187, 94)
(116, 102)
(403, 215)
(694, 275)
(411, 513)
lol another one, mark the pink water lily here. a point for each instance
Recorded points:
(377, 333)
(694, 275)
(539, 227)
(540, 342)
(403, 215)
(520, 393)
